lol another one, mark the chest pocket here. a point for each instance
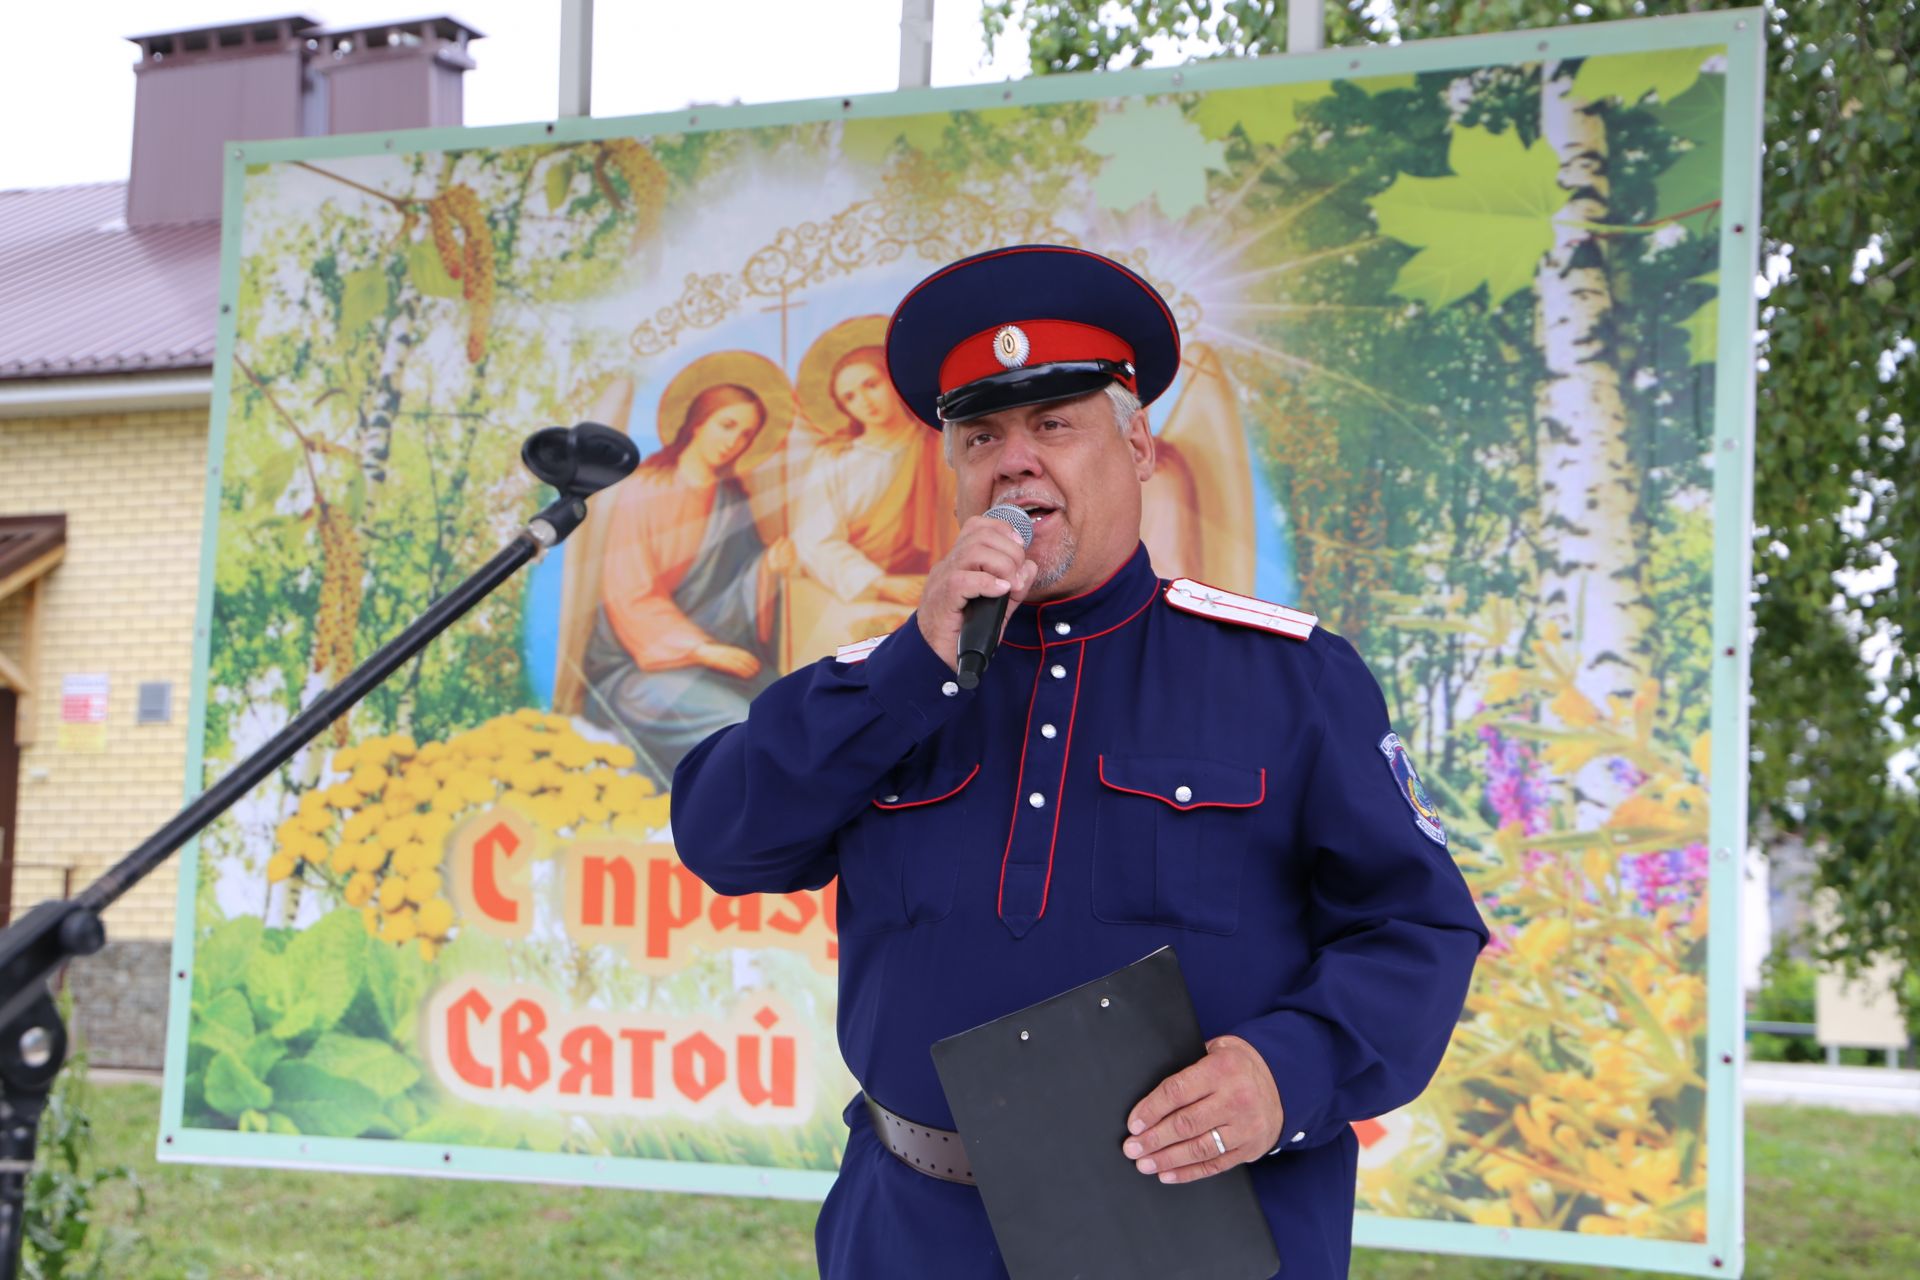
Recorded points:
(899, 858)
(1170, 840)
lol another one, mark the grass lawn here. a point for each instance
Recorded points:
(1829, 1195)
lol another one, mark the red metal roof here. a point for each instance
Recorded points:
(81, 292)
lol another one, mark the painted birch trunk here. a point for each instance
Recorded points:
(1590, 551)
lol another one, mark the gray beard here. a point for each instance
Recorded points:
(1062, 566)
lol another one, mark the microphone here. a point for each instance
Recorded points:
(981, 620)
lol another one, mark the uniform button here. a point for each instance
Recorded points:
(1047, 731)
(1183, 794)
(1062, 628)
(949, 688)
(1059, 672)
(891, 800)
(1300, 1137)
(1037, 800)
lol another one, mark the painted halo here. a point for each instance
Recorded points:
(747, 369)
(816, 395)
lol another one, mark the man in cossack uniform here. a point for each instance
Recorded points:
(1144, 763)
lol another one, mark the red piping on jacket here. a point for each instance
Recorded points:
(1174, 804)
(1060, 796)
(915, 804)
(1039, 622)
(1026, 734)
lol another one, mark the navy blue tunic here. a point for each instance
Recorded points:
(1126, 776)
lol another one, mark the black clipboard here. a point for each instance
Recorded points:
(1041, 1099)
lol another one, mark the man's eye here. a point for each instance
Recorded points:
(979, 438)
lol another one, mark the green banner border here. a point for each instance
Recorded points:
(1740, 30)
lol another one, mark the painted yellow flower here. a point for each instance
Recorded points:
(359, 890)
(436, 917)
(423, 887)
(393, 893)
(399, 927)
(1542, 941)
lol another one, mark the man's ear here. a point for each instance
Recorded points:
(1141, 442)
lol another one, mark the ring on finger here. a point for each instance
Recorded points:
(1219, 1143)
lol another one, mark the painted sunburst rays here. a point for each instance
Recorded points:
(1243, 276)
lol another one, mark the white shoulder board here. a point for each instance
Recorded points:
(1211, 602)
(857, 652)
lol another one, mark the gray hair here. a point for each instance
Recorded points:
(1125, 405)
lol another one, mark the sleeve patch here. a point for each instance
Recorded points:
(1225, 606)
(1412, 790)
(852, 653)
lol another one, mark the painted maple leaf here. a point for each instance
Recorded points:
(1488, 222)
(1153, 152)
(1664, 73)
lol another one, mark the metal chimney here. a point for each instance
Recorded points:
(391, 75)
(196, 89)
(281, 77)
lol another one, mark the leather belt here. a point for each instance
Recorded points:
(938, 1153)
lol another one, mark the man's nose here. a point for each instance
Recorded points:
(1017, 457)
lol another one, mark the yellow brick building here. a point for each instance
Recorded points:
(120, 603)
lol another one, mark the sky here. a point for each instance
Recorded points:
(70, 65)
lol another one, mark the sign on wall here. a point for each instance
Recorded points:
(1457, 379)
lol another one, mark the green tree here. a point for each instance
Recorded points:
(1835, 684)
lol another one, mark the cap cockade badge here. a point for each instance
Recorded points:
(1010, 346)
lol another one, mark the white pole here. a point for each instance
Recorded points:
(1306, 26)
(916, 44)
(576, 58)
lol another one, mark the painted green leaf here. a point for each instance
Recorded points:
(220, 959)
(223, 1024)
(271, 479)
(1268, 115)
(1698, 115)
(267, 988)
(1488, 222)
(1703, 326)
(872, 140)
(277, 1123)
(321, 1103)
(1153, 152)
(1665, 73)
(253, 1122)
(330, 959)
(232, 1089)
(262, 1053)
(301, 1017)
(371, 1062)
(363, 295)
(393, 990)
(404, 1112)
(559, 178)
(1688, 183)
(1384, 84)
(428, 273)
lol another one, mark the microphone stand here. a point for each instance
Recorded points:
(577, 461)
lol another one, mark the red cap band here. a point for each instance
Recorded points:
(1027, 343)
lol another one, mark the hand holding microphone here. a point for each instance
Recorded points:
(964, 607)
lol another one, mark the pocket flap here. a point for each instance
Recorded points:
(926, 789)
(1186, 783)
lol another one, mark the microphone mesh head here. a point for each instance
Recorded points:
(1019, 521)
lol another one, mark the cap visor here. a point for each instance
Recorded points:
(1018, 388)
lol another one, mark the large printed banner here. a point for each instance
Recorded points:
(1467, 374)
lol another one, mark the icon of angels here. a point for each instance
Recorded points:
(873, 500)
(680, 628)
